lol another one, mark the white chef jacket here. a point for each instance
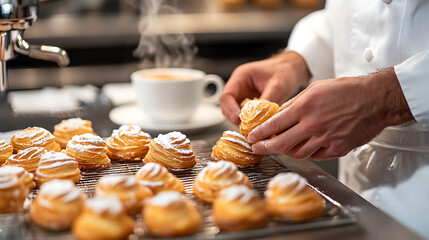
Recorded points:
(359, 37)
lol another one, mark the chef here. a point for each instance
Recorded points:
(370, 107)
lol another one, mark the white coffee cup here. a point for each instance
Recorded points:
(171, 95)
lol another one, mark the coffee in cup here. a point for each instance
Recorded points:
(171, 95)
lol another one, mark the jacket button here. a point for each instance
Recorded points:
(368, 54)
(387, 1)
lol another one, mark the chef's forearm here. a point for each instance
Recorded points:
(391, 100)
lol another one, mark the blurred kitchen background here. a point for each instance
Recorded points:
(105, 44)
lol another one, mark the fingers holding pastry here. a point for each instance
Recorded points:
(254, 113)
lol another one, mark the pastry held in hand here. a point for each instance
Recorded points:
(6, 150)
(128, 143)
(28, 158)
(21, 173)
(158, 179)
(13, 193)
(254, 113)
(103, 219)
(171, 214)
(34, 137)
(89, 150)
(57, 165)
(172, 150)
(217, 176)
(239, 208)
(69, 128)
(57, 205)
(233, 147)
(289, 197)
(126, 189)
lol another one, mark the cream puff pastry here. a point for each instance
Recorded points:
(103, 219)
(57, 205)
(28, 158)
(289, 197)
(170, 214)
(126, 189)
(254, 113)
(233, 147)
(6, 150)
(34, 137)
(89, 150)
(217, 176)
(238, 208)
(158, 178)
(57, 165)
(13, 193)
(21, 173)
(128, 143)
(172, 150)
(69, 128)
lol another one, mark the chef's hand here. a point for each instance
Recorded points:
(332, 117)
(275, 79)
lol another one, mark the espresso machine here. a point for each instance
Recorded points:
(15, 17)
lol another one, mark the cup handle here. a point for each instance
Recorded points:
(218, 82)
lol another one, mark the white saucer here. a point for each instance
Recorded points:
(205, 116)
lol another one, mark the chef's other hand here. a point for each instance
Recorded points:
(275, 79)
(332, 117)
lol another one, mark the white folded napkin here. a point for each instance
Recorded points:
(50, 99)
(119, 93)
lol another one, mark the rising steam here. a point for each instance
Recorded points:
(162, 50)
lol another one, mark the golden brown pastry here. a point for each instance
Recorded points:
(21, 173)
(233, 4)
(158, 179)
(172, 150)
(13, 193)
(128, 143)
(57, 165)
(268, 3)
(103, 219)
(34, 137)
(170, 214)
(233, 147)
(254, 113)
(126, 189)
(89, 150)
(6, 150)
(217, 176)
(69, 128)
(57, 205)
(289, 197)
(28, 158)
(239, 208)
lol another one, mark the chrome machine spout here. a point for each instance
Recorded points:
(15, 17)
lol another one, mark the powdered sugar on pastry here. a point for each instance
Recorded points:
(285, 180)
(113, 180)
(238, 193)
(109, 205)
(174, 140)
(166, 198)
(64, 189)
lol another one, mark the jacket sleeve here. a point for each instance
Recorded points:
(413, 76)
(312, 39)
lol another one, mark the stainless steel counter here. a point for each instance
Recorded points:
(371, 222)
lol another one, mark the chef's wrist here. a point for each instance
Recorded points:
(394, 106)
(296, 63)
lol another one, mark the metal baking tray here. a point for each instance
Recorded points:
(19, 226)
